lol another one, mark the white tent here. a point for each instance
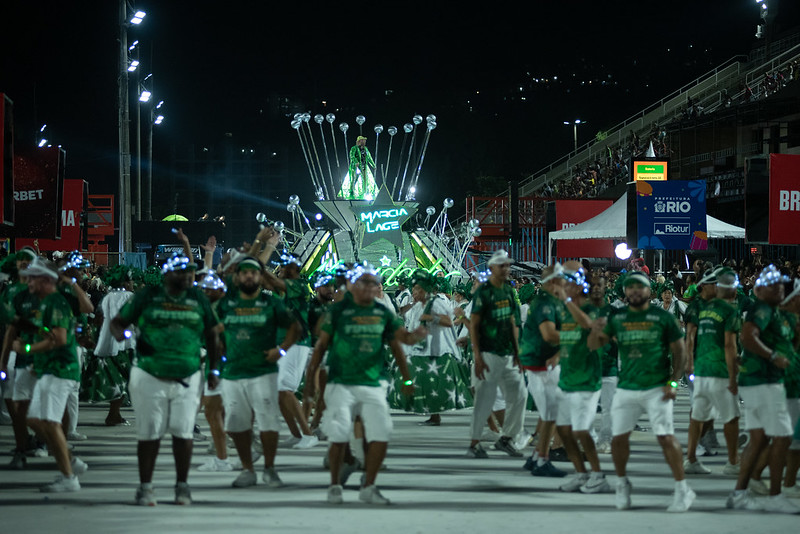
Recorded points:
(611, 224)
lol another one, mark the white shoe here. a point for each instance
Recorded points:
(290, 442)
(217, 465)
(791, 491)
(743, 500)
(146, 496)
(730, 469)
(682, 501)
(335, 494)
(695, 468)
(271, 478)
(62, 484)
(245, 479)
(757, 487)
(780, 504)
(623, 495)
(371, 495)
(183, 495)
(604, 447)
(76, 436)
(574, 482)
(306, 442)
(597, 483)
(79, 467)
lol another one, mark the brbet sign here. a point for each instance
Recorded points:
(672, 215)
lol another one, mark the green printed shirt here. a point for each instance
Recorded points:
(62, 362)
(26, 308)
(497, 308)
(777, 333)
(171, 330)
(534, 350)
(792, 378)
(609, 354)
(7, 311)
(643, 340)
(297, 300)
(251, 328)
(581, 368)
(358, 334)
(715, 319)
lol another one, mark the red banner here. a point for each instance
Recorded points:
(70, 221)
(572, 212)
(784, 199)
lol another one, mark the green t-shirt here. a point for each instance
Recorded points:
(316, 310)
(297, 300)
(792, 377)
(776, 332)
(534, 350)
(26, 309)
(609, 355)
(715, 319)
(692, 314)
(497, 308)
(358, 334)
(7, 311)
(171, 330)
(62, 362)
(643, 339)
(251, 328)
(581, 368)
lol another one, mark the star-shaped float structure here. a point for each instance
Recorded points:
(383, 219)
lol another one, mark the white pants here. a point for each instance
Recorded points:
(343, 402)
(164, 406)
(50, 396)
(765, 408)
(248, 397)
(543, 386)
(607, 391)
(292, 367)
(630, 404)
(504, 374)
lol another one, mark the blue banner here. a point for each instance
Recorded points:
(671, 215)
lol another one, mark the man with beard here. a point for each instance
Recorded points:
(251, 318)
(172, 321)
(647, 382)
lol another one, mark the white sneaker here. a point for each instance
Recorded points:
(79, 467)
(730, 469)
(757, 487)
(791, 491)
(290, 442)
(574, 482)
(597, 483)
(245, 479)
(780, 504)
(217, 465)
(743, 500)
(306, 442)
(76, 436)
(182, 494)
(623, 496)
(682, 501)
(62, 484)
(146, 496)
(271, 478)
(695, 468)
(335, 494)
(371, 495)
(604, 447)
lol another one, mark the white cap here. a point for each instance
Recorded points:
(500, 257)
(38, 267)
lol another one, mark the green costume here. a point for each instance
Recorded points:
(62, 362)
(581, 368)
(360, 180)
(498, 310)
(776, 332)
(534, 350)
(715, 319)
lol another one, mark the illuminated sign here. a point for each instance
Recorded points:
(650, 170)
(382, 219)
(390, 274)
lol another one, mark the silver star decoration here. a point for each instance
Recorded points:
(433, 368)
(434, 394)
(462, 400)
(386, 261)
(451, 395)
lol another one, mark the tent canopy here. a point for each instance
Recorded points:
(611, 224)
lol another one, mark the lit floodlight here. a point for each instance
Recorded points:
(622, 251)
(43, 127)
(42, 143)
(145, 96)
(138, 17)
(132, 67)
(132, 47)
(412, 189)
(160, 104)
(159, 119)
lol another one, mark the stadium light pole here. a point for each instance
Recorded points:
(574, 125)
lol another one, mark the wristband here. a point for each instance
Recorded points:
(673, 384)
(408, 383)
(27, 348)
(283, 352)
(215, 372)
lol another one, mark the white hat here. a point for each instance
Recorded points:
(500, 257)
(39, 267)
(236, 257)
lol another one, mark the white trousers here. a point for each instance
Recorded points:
(504, 374)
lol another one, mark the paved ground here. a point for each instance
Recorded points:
(432, 488)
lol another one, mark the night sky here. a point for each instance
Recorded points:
(214, 63)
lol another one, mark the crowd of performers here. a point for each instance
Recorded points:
(330, 355)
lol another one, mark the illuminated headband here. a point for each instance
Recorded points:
(769, 276)
(212, 281)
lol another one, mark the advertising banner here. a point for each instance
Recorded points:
(572, 212)
(38, 185)
(784, 199)
(671, 215)
(650, 170)
(70, 221)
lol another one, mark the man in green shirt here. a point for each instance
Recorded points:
(354, 331)
(714, 368)
(173, 321)
(768, 350)
(647, 382)
(494, 336)
(251, 318)
(53, 348)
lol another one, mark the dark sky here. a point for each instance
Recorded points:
(214, 63)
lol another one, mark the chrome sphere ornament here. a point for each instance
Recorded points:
(408, 128)
(431, 118)
(417, 119)
(391, 130)
(320, 195)
(297, 116)
(306, 117)
(294, 199)
(278, 226)
(343, 126)
(291, 207)
(296, 124)
(476, 232)
(330, 117)
(318, 118)
(431, 125)
(474, 223)
(430, 210)
(448, 203)
(360, 120)
(261, 217)
(378, 128)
